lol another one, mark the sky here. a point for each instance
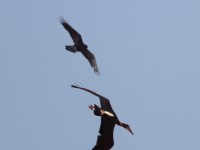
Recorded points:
(148, 55)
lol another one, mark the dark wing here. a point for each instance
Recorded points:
(105, 103)
(103, 143)
(100, 144)
(91, 58)
(76, 37)
(105, 139)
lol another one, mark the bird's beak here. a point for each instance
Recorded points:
(129, 129)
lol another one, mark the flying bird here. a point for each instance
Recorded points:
(109, 119)
(79, 46)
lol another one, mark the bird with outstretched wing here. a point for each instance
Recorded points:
(79, 46)
(109, 119)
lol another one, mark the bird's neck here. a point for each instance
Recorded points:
(119, 123)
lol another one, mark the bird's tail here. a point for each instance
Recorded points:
(72, 49)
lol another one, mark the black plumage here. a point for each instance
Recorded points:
(109, 119)
(79, 46)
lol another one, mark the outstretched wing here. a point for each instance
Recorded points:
(76, 37)
(91, 58)
(105, 103)
(105, 140)
(103, 143)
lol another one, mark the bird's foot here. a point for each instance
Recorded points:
(91, 107)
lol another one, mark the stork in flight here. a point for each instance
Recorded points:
(109, 119)
(79, 46)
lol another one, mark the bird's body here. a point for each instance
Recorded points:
(79, 46)
(105, 140)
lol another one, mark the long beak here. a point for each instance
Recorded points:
(129, 129)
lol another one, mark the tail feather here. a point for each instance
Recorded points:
(72, 49)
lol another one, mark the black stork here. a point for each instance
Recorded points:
(79, 46)
(109, 119)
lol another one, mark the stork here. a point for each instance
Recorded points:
(109, 119)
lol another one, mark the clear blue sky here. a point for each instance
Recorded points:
(148, 52)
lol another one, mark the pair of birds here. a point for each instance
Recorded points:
(108, 117)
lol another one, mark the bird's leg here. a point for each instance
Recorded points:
(91, 107)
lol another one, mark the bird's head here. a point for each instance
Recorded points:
(127, 127)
